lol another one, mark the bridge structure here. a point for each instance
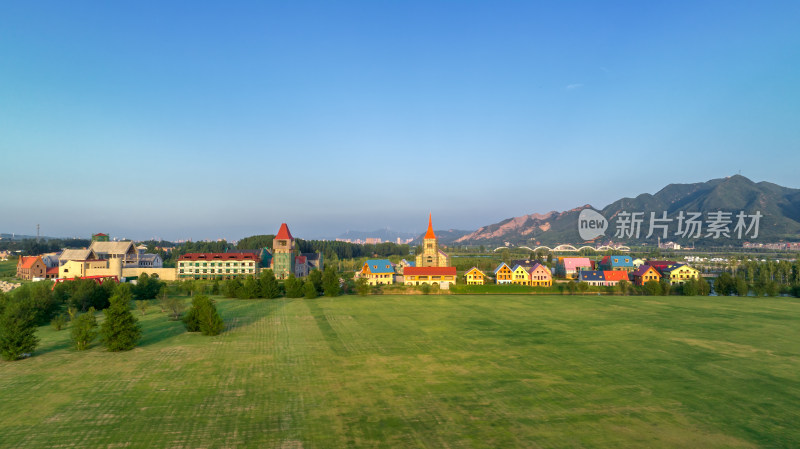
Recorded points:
(567, 248)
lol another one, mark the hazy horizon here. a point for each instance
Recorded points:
(203, 120)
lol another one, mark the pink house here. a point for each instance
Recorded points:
(569, 267)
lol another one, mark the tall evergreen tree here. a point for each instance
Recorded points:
(294, 287)
(84, 330)
(17, 331)
(330, 282)
(120, 330)
(310, 292)
(269, 285)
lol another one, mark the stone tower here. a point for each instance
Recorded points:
(431, 256)
(283, 253)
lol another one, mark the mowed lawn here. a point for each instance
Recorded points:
(426, 371)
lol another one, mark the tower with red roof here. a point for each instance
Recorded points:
(283, 256)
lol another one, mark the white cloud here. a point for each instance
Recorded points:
(573, 86)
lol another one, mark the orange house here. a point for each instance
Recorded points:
(503, 273)
(31, 267)
(645, 273)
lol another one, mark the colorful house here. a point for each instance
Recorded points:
(540, 276)
(474, 276)
(592, 277)
(613, 263)
(569, 267)
(442, 277)
(378, 272)
(503, 273)
(613, 277)
(679, 273)
(645, 273)
(30, 267)
(520, 276)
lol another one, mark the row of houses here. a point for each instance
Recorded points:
(654, 270)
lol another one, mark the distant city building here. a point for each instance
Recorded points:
(100, 237)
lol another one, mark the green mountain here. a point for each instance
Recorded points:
(779, 207)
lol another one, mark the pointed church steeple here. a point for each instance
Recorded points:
(430, 234)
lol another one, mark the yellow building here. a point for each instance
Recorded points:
(442, 277)
(82, 268)
(679, 273)
(378, 272)
(520, 276)
(431, 255)
(475, 276)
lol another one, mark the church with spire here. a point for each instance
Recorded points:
(431, 255)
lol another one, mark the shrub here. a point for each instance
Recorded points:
(84, 330)
(309, 290)
(203, 317)
(59, 321)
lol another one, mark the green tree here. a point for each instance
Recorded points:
(362, 286)
(232, 287)
(316, 278)
(572, 287)
(583, 286)
(84, 330)
(652, 288)
(120, 330)
(250, 289)
(703, 287)
(724, 284)
(309, 290)
(294, 287)
(330, 282)
(146, 287)
(270, 288)
(690, 288)
(741, 287)
(17, 331)
(59, 321)
(624, 287)
(666, 287)
(203, 317)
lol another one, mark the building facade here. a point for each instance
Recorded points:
(443, 277)
(217, 265)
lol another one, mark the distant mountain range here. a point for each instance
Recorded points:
(779, 207)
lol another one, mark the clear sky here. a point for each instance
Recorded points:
(223, 119)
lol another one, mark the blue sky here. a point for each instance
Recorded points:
(224, 119)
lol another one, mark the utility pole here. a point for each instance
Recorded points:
(37, 232)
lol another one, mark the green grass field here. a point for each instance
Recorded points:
(426, 371)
